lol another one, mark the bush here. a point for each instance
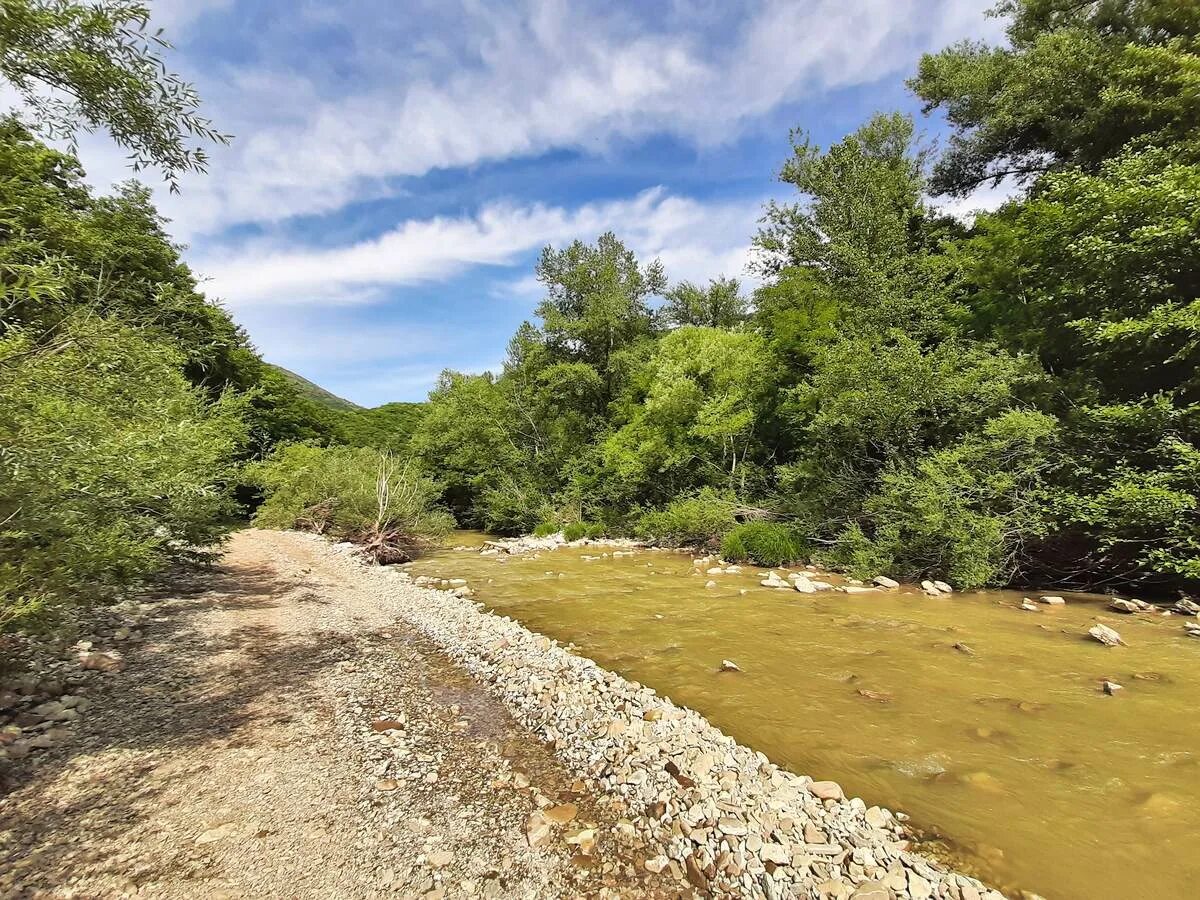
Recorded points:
(545, 529)
(764, 543)
(112, 467)
(700, 520)
(358, 494)
(575, 531)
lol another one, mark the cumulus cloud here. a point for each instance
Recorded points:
(694, 240)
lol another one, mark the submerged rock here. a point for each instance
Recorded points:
(728, 665)
(1111, 687)
(884, 582)
(1124, 606)
(1051, 600)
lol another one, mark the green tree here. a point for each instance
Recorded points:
(720, 305)
(98, 65)
(1076, 83)
(112, 466)
(695, 424)
(596, 302)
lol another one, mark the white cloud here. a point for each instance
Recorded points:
(694, 240)
(985, 198)
(501, 82)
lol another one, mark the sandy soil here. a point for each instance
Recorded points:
(280, 734)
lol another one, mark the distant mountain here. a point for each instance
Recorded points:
(315, 392)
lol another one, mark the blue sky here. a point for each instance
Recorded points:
(397, 166)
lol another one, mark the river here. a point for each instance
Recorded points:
(1004, 749)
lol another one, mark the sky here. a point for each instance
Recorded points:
(398, 165)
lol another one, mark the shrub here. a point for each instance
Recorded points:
(699, 520)
(112, 467)
(545, 529)
(359, 494)
(575, 531)
(765, 543)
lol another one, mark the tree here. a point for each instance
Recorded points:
(861, 229)
(695, 424)
(112, 466)
(596, 301)
(1077, 83)
(720, 305)
(98, 65)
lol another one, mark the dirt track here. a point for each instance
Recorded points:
(242, 754)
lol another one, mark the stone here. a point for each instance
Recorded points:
(98, 661)
(857, 589)
(212, 835)
(918, 887)
(715, 570)
(728, 665)
(1186, 607)
(1111, 687)
(1028, 605)
(775, 853)
(930, 588)
(439, 859)
(710, 584)
(1124, 606)
(871, 890)
(877, 696)
(963, 648)
(656, 864)
(943, 587)
(826, 790)
(804, 585)
(561, 814)
(884, 582)
(584, 839)
(1052, 600)
(1105, 635)
(537, 829)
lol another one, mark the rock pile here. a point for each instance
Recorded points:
(696, 804)
(40, 705)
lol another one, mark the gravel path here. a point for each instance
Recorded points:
(278, 733)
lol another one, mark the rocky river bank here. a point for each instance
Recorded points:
(696, 804)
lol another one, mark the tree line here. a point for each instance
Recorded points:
(1011, 398)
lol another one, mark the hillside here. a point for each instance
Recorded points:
(315, 392)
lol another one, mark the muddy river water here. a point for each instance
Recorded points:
(1005, 746)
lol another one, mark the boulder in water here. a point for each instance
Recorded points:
(1105, 635)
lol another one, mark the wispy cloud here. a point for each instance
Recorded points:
(694, 240)
(482, 82)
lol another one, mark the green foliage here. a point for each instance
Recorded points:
(315, 392)
(763, 543)
(575, 530)
(545, 529)
(387, 427)
(962, 513)
(98, 66)
(701, 520)
(113, 467)
(352, 493)
(1077, 83)
(720, 305)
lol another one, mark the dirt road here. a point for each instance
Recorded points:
(279, 734)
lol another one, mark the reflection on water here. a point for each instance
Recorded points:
(986, 723)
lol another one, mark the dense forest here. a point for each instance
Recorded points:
(1012, 398)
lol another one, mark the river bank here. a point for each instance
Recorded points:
(710, 811)
(989, 723)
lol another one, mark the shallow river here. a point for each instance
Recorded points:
(1011, 753)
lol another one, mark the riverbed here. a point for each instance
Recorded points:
(986, 723)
